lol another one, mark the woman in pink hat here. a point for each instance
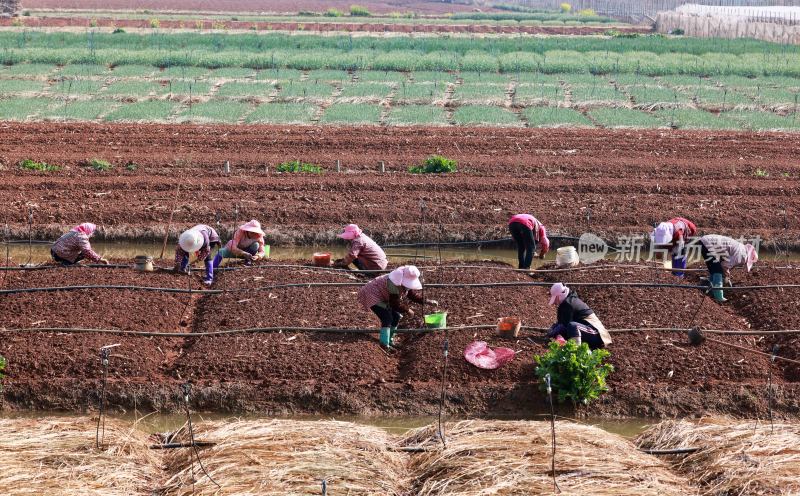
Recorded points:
(527, 231)
(385, 296)
(74, 246)
(247, 243)
(722, 254)
(364, 253)
(575, 320)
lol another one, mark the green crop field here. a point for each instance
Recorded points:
(259, 77)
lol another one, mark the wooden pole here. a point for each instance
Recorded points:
(169, 224)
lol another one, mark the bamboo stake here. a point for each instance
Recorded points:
(169, 223)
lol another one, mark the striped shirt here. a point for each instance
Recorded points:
(367, 252)
(377, 292)
(209, 236)
(72, 244)
(729, 252)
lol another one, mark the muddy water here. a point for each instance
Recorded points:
(21, 253)
(628, 428)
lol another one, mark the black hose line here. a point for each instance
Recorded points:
(556, 489)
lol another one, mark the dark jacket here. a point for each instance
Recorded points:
(572, 309)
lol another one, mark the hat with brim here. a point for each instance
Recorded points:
(351, 232)
(406, 276)
(752, 256)
(253, 226)
(558, 291)
(663, 233)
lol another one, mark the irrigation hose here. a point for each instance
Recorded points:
(104, 355)
(556, 489)
(186, 390)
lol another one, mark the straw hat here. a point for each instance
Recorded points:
(253, 226)
(191, 241)
(351, 231)
(752, 256)
(558, 292)
(406, 276)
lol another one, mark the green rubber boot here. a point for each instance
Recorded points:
(392, 335)
(386, 337)
(716, 284)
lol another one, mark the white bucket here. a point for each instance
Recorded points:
(567, 256)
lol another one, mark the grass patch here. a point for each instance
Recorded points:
(20, 109)
(260, 90)
(83, 70)
(433, 77)
(133, 88)
(154, 110)
(352, 113)
(555, 117)
(424, 92)
(232, 73)
(484, 77)
(185, 87)
(305, 90)
(604, 93)
(417, 115)
(279, 74)
(626, 79)
(767, 121)
(777, 96)
(27, 70)
(182, 72)
(134, 70)
(377, 90)
(473, 115)
(382, 76)
(329, 77)
(80, 110)
(435, 164)
(684, 80)
(480, 92)
(282, 113)
(697, 119)
(717, 96)
(8, 86)
(525, 93)
(76, 86)
(539, 78)
(99, 165)
(656, 94)
(214, 111)
(297, 166)
(32, 165)
(625, 117)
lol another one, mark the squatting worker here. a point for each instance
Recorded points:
(575, 320)
(247, 243)
(198, 240)
(364, 253)
(675, 233)
(527, 231)
(721, 254)
(385, 296)
(74, 246)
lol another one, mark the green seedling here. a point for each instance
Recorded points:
(100, 165)
(297, 166)
(435, 164)
(760, 173)
(29, 164)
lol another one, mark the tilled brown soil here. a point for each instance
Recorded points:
(657, 373)
(608, 182)
(327, 26)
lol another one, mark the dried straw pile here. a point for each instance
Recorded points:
(58, 457)
(282, 457)
(510, 458)
(735, 457)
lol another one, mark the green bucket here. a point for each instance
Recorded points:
(266, 251)
(436, 320)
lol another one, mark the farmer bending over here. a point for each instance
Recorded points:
(385, 296)
(575, 320)
(721, 254)
(364, 253)
(675, 233)
(198, 240)
(527, 231)
(74, 246)
(247, 243)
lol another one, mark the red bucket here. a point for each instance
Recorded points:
(322, 259)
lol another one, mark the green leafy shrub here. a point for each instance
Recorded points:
(566, 8)
(435, 164)
(100, 165)
(132, 166)
(297, 166)
(575, 371)
(3, 363)
(359, 11)
(677, 32)
(118, 31)
(29, 164)
(587, 13)
(154, 23)
(333, 13)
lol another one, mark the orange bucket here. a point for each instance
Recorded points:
(322, 259)
(508, 327)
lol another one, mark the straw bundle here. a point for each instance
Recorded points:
(509, 458)
(282, 457)
(735, 457)
(58, 457)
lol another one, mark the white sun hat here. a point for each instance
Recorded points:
(406, 276)
(191, 241)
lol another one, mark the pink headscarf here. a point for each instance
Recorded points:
(86, 228)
